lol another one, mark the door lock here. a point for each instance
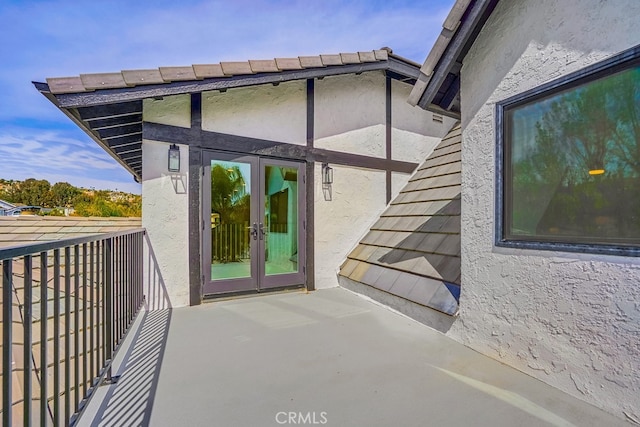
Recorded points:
(254, 231)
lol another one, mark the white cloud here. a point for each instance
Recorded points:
(51, 155)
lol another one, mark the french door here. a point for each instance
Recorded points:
(254, 222)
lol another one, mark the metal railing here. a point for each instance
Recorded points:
(230, 242)
(66, 307)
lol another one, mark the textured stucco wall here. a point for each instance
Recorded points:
(572, 321)
(165, 214)
(345, 103)
(170, 110)
(276, 113)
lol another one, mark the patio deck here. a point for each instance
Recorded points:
(329, 357)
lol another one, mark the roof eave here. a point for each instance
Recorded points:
(459, 32)
(43, 88)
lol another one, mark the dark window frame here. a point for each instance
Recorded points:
(590, 73)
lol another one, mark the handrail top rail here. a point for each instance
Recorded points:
(34, 248)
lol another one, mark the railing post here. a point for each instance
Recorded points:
(85, 307)
(92, 306)
(44, 317)
(28, 339)
(7, 336)
(56, 336)
(67, 334)
(108, 303)
(76, 325)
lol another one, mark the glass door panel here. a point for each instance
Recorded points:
(230, 231)
(230, 220)
(282, 247)
(281, 220)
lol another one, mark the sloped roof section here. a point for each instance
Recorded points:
(438, 86)
(23, 230)
(108, 106)
(413, 250)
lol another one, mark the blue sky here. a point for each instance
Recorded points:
(54, 38)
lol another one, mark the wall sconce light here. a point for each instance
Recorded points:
(174, 158)
(327, 180)
(327, 174)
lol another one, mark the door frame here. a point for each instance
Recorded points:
(258, 280)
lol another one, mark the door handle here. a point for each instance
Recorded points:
(254, 231)
(262, 231)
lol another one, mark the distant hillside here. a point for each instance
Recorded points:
(60, 197)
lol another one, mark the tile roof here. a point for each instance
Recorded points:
(413, 250)
(132, 78)
(22, 230)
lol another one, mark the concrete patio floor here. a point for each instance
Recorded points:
(328, 357)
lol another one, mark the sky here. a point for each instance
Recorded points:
(58, 38)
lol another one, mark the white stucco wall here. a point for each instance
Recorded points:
(571, 320)
(275, 113)
(172, 110)
(345, 103)
(165, 214)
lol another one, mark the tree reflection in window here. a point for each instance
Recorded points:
(572, 163)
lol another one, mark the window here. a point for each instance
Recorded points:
(568, 162)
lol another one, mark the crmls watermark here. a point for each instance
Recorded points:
(301, 418)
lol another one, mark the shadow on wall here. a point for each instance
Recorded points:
(129, 402)
(156, 294)
(178, 180)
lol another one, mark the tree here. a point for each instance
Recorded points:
(63, 194)
(33, 192)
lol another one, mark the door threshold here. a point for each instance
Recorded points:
(253, 293)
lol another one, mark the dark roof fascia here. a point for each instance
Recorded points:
(110, 96)
(465, 36)
(44, 89)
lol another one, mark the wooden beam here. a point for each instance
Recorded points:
(388, 129)
(196, 110)
(115, 132)
(195, 229)
(131, 155)
(124, 140)
(112, 110)
(310, 227)
(99, 124)
(241, 144)
(310, 112)
(450, 95)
